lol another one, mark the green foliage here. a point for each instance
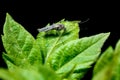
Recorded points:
(56, 55)
(108, 66)
(20, 45)
(37, 73)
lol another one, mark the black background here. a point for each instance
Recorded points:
(34, 14)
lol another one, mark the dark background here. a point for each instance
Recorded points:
(33, 15)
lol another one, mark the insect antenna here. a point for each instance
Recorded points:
(85, 21)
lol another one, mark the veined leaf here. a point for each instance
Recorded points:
(81, 52)
(111, 70)
(42, 73)
(12, 62)
(51, 40)
(116, 63)
(104, 60)
(19, 43)
(63, 51)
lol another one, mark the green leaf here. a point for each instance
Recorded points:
(110, 70)
(116, 63)
(61, 51)
(80, 52)
(53, 39)
(19, 43)
(6, 75)
(12, 62)
(104, 60)
(41, 73)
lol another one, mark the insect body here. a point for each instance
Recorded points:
(52, 27)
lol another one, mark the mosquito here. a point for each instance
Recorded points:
(52, 27)
(56, 27)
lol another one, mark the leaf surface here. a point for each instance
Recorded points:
(53, 39)
(110, 70)
(104, 59)
(80, 52)
(41, 73)
(19, 43)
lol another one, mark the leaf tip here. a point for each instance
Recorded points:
(8, 16)
(107, 34)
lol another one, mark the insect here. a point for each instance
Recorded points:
(56, 27)
(52, 27)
